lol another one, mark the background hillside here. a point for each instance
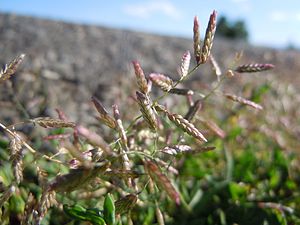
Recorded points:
(69, 62)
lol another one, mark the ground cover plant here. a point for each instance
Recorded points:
(169, 155)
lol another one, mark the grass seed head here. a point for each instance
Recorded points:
(214, 128)
(119, 125)
(209, 37)
(125, 204)
(196, 38)
(162, 81)
(185, 64)
(140, 77)
(243, 101)
(7, 194)
(103, 114)
(16, 157)
(176, 149)
(193, 110)
(77, 178)
(94, 139)
(215, 66)
(253, 68)
(48, 122)
(11, 68)
(147, 111)
(162, 181)
(186, 126)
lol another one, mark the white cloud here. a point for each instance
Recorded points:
(279, 16)
(244, 6)
(147, 9)
(283, 16)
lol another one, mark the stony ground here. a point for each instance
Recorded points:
(67, 63)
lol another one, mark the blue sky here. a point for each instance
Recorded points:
(274, 23)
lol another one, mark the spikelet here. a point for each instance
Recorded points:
(92, 155)
(6, 195)
(196, 38)
(94, 139)
(159, 215)
(61, 114)
(77, 178)
(30, 203)
(185, 64)
(16, 156)
(122, 133)
(252, 68)
(77, 154)
(181, 91)
(162, 181)
(162, 81)
(214, 128)
(125, 204)
(215, 66)
(186, 149)
(229, 73)
(186, 126)
(103, 114)
(166, 165)
(176, 149)
(11, 68)
(47, 200)
(42, 177)
(140, 77)
(209, 37)
(193, 110)
(147, 111)
(160, 108)
(243, 101)
(119, 125)
(48, 122)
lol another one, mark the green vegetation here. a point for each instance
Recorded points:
(203, 156)
(236, 30)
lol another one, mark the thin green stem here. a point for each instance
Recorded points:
(139, 153)
(212, 91)
(27, 145)
(176, 83)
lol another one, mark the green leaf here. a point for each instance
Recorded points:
(237, 191)
(94, 219)
(109, 210)
(76, 211)
(95, 211)
(16, 203)
(80, 213)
